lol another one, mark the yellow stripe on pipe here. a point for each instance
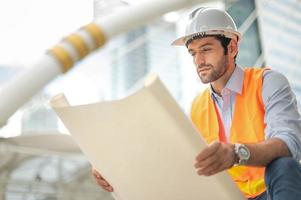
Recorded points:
(63, 56)
(79, 44)
(96, 33)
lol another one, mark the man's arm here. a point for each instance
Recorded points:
(282, 118)
(282, 131)
(219, 156)
(261, 154)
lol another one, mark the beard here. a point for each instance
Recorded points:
(214, 72)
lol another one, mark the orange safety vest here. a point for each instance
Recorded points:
(247, 127)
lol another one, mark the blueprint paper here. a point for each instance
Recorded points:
(144, 146)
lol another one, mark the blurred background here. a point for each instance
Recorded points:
(38, 159)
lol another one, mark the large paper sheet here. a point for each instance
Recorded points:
(145, 146)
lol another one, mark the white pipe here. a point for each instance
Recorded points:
(70, 50)
(140, 14)
(24, 86)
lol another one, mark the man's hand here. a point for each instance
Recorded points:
(101, 181)
(215, 158)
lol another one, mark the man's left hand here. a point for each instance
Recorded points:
(215, 158)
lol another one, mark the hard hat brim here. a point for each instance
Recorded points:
(226, 33)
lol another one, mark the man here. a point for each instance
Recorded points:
(248, 116)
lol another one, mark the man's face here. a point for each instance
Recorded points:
(209, 58)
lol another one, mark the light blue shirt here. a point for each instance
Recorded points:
(281, 113)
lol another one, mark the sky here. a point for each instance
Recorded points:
(28, 28)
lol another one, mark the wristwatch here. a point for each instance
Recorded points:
(242, 152)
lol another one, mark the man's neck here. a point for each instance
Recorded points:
(220, 83)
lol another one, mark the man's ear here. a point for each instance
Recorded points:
(233, 48)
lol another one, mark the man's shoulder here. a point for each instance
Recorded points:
(267, 73)
(200, 101)
(256, 69)
(202, 96)
(274, 76)
(274, 82)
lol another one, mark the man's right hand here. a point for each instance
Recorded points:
(101, 181)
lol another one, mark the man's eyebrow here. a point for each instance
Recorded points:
(206, 44)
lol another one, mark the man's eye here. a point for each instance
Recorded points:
(206, 49)
(192, 54)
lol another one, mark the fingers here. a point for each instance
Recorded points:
(210, 169)
(205, 162)
(105, 185)
(206, 165)
(215, 158)
(101, 181)
(96, 174)
(208, 151)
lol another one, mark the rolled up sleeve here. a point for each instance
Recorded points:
(282, 118)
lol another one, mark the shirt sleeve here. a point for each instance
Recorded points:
(281, 112)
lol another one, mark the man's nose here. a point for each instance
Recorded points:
(199, 59)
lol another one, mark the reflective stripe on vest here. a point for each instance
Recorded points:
(247, 127)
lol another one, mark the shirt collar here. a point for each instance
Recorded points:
(235, 82)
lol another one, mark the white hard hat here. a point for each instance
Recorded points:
(209, 21)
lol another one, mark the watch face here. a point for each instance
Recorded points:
(244, 153)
